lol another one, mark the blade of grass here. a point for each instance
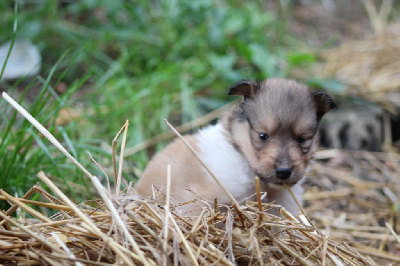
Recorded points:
(12, 38)
(68, 141)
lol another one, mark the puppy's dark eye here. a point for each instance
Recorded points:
(263, 136)
(301, 141)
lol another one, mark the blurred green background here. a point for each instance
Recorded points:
(105, 62)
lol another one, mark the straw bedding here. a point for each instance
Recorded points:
(245, 236)
(370, 68)
(354, 196)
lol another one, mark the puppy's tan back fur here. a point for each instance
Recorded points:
(188, 175)
(271, 133)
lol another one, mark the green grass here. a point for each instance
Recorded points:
(137, 60)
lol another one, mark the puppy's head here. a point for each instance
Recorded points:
(275, 127)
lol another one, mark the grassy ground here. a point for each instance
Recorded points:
(108, 61)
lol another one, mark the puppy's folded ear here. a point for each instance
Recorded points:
(324, 103)
(246, 88)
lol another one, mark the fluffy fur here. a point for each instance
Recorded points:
(271, 133)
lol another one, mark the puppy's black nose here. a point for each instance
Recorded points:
(283, 173)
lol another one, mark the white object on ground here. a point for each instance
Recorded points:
(24, 60)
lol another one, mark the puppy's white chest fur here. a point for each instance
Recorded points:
(234, 171)
(228, 165)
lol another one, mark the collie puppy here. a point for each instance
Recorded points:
(272, 133)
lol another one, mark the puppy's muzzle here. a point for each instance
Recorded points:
(283, 173)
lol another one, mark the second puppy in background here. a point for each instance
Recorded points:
(272, 133)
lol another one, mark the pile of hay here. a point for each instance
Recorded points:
(354, 195)
(149, 233)
(352, 222)
(371, 67)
